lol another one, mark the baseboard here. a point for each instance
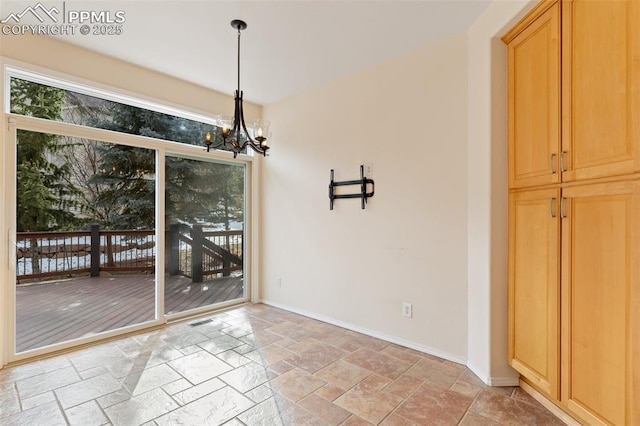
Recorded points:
(567, 419)
(492, 381)
(372, 333)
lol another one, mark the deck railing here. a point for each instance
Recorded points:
(191, 251)
(196, 253)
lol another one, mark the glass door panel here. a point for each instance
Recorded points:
(85, 239)
(205, 209)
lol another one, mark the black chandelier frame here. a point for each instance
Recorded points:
(234, 135)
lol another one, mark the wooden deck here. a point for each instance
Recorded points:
(55, 312)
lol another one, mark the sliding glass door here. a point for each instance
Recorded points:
(204, 219)
(85, 238)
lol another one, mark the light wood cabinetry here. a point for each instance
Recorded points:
(601, 88)
(534, 102)
(534, 299)
(600, 265)
(574, 206)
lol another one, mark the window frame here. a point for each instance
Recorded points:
(163, 148)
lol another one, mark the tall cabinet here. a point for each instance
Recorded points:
(574, 206)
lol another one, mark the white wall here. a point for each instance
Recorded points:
(487, 192)
(355, 267)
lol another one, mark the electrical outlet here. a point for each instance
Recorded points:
(279, 282)
(407, 310)
(368, 170)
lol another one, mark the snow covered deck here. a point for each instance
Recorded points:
(58, 311)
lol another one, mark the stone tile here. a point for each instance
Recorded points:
(356, 421)
(113, 398)
(401, 353)
(342, 374)
(468, 377)
(20, 372)
(220, 344)
(505, 410)
(324, 409)
(109, 357)
(88, 413)
(213, 409)
(436, 374)
(367, 401)
(156, 356)
(433, 405)
(291, 331)
(396, 420)
(260, 338)
(466, 389)
(378, 363)
(190, 350)
(141, 409)
(149, 379)
(266, 413)
(233, 358)
(54, 363)
(404, 386)
(243, 349)
(48, 414)
(246, 377)
(521, 395)
(330, 392)
(364, 341)
(185, 339)
(93, 372)
(473, 419)
(45, 382)
(199, 367)
(86, 390)
(300, 416)
(9, 403)
(296, 384)
(317, 358)
(281, 367)
(34, 401)
(260, 393)
(198, 391)
(177, 386)
(267, 355)
(238, 330)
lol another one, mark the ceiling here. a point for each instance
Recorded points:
(288, 47)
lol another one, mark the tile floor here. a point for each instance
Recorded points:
(256, 365)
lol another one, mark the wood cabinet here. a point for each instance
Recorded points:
(574, 206)
(534, 102)
(601, 88)
(600, 275)
(534, 296)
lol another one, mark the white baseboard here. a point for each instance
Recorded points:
(388, 338)
(493, 381)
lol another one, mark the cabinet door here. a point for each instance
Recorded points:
(601, 322)
(601, 88)
(534, 291)
(534, 102)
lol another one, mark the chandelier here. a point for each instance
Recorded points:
(234, 131)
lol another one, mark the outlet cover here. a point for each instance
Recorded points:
(407, 310)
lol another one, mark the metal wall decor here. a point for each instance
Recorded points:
(234, 131)
(363, 194)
